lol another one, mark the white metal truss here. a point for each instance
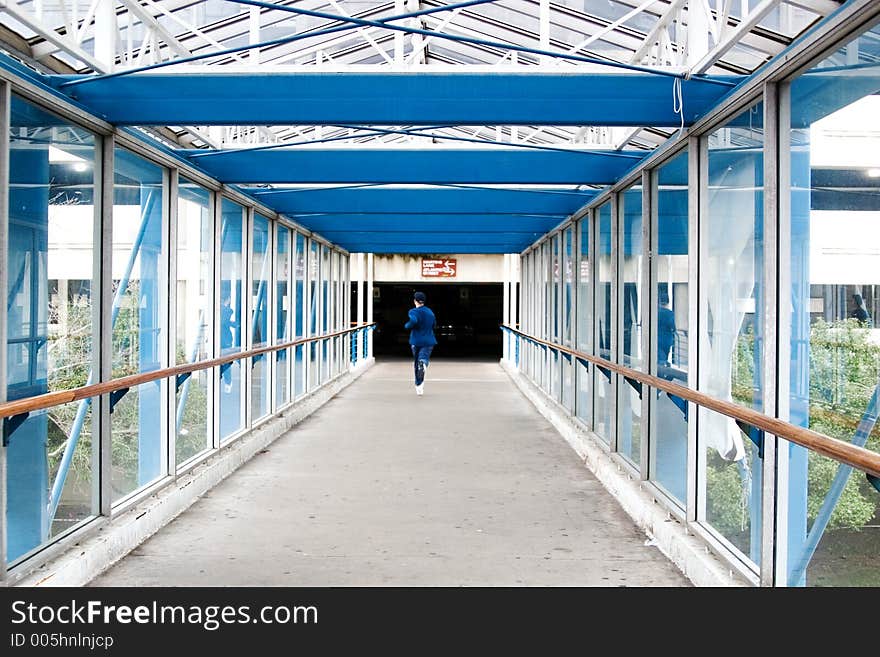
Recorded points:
(690, 36)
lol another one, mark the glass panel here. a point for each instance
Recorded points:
(604, 325)
(834, 232)
(195, 243)
(567, 368)
(554, 305)
(326, 311)
(314, 320)
(632, 255)
(232, 262)
(299, 306)
(50, 328)
(137, 420)
(669, 413)
(730, 350)
(584, 327)
(568, 269)
(553, 308)
(282, 314)
(261, 266)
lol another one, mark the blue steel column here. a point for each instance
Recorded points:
(26, 462)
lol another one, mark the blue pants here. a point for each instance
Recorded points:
(421, 357)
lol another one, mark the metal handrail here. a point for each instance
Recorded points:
(839, 450)
(50, 399)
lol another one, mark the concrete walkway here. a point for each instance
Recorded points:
(467, 485)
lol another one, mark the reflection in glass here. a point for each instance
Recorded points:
(195, 236)
(232, 259)
(730, 356)
(669, 413)
(314, 319)
(261, 263)
(50, 324)
(139, 321)
(632, 256)
(565, 337)
(326, 312)
(604, 327)
(584, 407)
(282, 314)
(833, 235)
(299, 311)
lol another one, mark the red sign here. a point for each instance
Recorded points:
(438, 268)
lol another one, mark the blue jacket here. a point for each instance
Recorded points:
(421, 327)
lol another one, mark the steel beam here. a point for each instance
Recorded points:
(412, 166)
(397, 98)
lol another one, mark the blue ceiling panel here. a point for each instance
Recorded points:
(397, 98)
(427, 248)
(413, 166)
(452, 200)
(456, 223)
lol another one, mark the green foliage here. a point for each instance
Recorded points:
(844, 371)
(727, 506)
(70, 355)
(855, 507)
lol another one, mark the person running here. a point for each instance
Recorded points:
(421, 338)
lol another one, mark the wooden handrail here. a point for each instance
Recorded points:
(49, 399)
(839, 450)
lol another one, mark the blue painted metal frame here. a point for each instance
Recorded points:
(429, 223)
(353, 201)
(410, 166)
(397, 98)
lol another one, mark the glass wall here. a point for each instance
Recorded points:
(301, 307)
(834, 240)
(670, 321)
(344, 304)
(631, 297)
(50, 265)
(553, 318)
(314, 270)
(730, 350)
(139, 320)
(175, 285)
(566, 311)
(602, 379)
(261, 285)
(325, 312)
(809, 299)
(233, 258)
(584, 406)
(550, 282)
(195, 303)
(283, 314)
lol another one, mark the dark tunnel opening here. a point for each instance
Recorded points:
(468, 318)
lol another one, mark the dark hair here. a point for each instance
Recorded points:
(420, 297)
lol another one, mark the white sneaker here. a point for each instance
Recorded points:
(420, 389)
